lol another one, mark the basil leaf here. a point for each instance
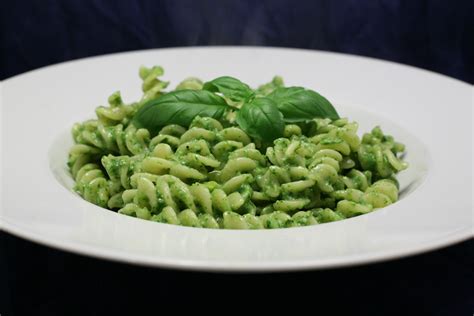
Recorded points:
(261, 119)
(230, 87)
(298, 104)
(179, 107)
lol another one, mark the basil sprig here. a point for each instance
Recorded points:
(179, 107)
(261, 117)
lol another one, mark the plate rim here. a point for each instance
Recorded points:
(257, 267)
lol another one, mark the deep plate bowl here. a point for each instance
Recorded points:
(430, 113)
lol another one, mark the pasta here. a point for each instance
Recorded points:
(212, 174)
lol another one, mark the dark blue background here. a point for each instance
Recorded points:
(436, 35)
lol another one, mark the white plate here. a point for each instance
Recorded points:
(431, 113)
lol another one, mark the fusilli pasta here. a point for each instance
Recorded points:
(211, 174)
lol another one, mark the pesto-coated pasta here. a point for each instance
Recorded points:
(211, 173)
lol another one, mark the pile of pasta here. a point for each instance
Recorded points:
(211, 174)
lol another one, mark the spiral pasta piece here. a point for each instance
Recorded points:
(80, 155)
(152, 86)
(92, 184)
(111, 139)
(338, 135)
(378, 154)
(117, 112)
